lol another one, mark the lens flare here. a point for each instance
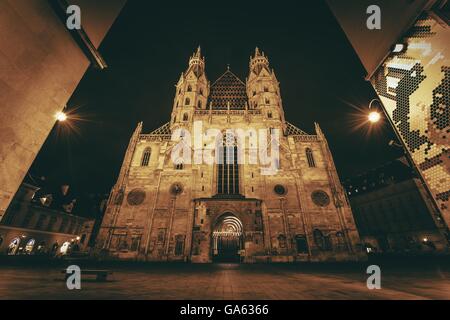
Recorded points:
(61, 116)
(374, 117)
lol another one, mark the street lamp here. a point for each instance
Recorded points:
(61, 116)
(374, 116)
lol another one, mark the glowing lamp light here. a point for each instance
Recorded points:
(61, 116)
(374, 117)
(425, 239)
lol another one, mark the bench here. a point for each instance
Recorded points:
(101, 275)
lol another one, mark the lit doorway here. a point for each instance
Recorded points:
(227, 239)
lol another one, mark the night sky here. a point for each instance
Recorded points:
(149, 46)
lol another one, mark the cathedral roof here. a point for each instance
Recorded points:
(292, 130)
(228, 89)
(163, 130)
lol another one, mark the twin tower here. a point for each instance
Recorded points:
(194, 92)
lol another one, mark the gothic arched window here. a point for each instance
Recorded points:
(189, 89)
(228, 167)
(269, 115)
(267, 101)
(146, 157)
(266, 89)
(201, 91)
(310, 158)
(179, 164)
(199, 104)
(185, 117)
(187, 101)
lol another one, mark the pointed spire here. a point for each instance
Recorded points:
(318, 130)
(257, 52)
(198, 54)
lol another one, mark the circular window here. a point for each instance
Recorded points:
(279, 190)
(176, 189)
(320, 198)
(136, 197)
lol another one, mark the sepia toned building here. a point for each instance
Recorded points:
(41, 64)
(31, 226)
(290, 208)
(393, 212)
(407, 63)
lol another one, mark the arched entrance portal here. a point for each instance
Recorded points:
(227, 239)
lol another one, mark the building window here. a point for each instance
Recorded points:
(254, 93)
(310, 158)
(267, 101)
(161, 235)
(185, 117)
(179, 164)
(282, 242)
(199, 104)
(201, 91)
(146, 157)
(228, 167)
(179, 245)
(269, 115)
(187, 101)
(30, 246)
(320, 198)
(280, 190)
(266, 89)
(189, 89)
(321, 241)
(301, 244)
(135, 243)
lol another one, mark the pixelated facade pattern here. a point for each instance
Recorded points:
(167, 210)
(414, 88)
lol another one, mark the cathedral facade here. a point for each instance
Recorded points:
(268, 192)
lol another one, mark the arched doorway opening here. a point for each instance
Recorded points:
(13, 247)
(227, 239)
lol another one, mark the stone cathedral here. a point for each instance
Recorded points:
(166, 209)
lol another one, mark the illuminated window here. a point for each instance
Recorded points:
(146, 157)
(228, 167)
(310, 158)
(30, 246)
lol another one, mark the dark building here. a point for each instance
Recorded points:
(40, 222)
(393, 212)
(406, 60)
